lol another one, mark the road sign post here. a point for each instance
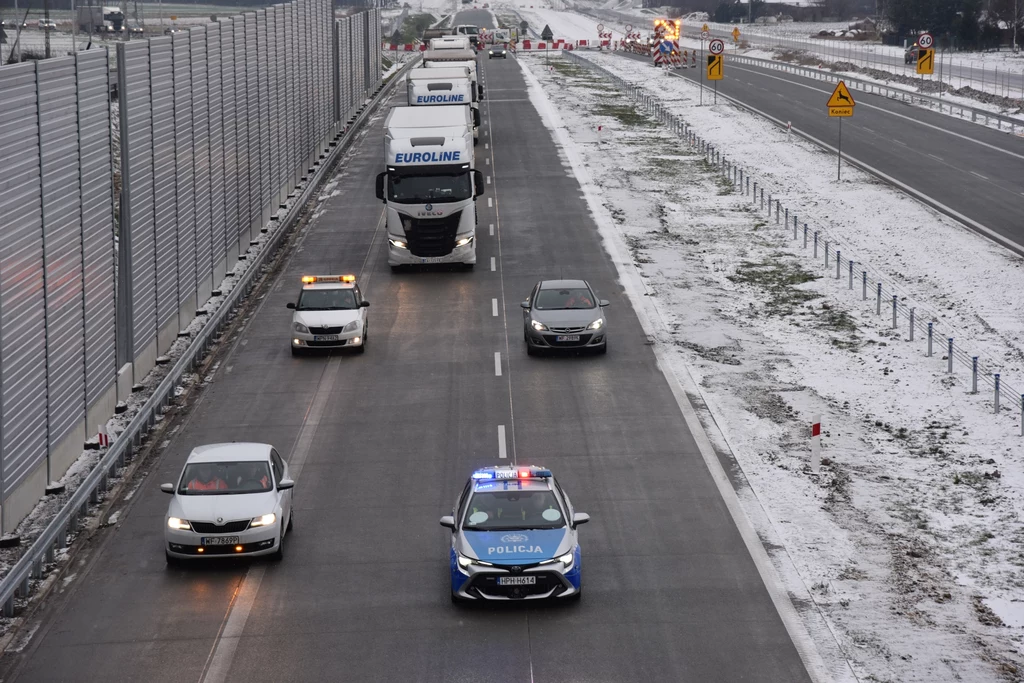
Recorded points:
(840, 105)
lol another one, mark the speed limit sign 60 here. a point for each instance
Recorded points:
(925, 40)
(716, 46)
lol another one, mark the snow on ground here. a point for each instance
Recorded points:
(909, 541)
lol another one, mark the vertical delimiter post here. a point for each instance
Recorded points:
(929, 340)
(974, 374)
(996, 376)
(949, 357)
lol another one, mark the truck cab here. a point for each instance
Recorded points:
(470, 31)
(429, 187)
(443, 87)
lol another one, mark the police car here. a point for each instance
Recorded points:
(514, 537)
(330, 313)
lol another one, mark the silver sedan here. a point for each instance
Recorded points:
(564, 314)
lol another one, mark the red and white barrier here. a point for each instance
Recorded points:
(102, 437)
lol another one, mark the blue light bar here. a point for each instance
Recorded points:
(483, 475)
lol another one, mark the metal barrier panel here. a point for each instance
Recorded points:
(218, 176)
(165, 215)
(266, 194)
(96, 179)
(137, 241)
(243, 137)
(229, 122)
(253, 201)
(64, 339)
(22, 365)
(184, 145)
(305, 89)
(202, 133)
(275, 44)
(294, 96)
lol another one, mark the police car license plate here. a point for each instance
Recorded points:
(325, 337)
(432, 259)
(567, 338)
(517, 580)
(219, 540)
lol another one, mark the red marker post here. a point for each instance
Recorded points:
(816, 445)
(102, 437)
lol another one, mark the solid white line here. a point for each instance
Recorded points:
(979, 175)
(497, 363)
(899, 142)
(490, 202)
(491, 229)
(222, 655)
(494, 307)
(492, 265)
(502, 449)
(935, 157)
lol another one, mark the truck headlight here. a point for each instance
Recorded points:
(464, 241)
(299, 327)
(398, 244)
(178, 524)
(596, 325)
(540, 327)
(351, 327)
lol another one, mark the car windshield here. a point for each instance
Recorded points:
(222, 478)
(562, 299)
(506, 510)
(423, 189)
(327, 300)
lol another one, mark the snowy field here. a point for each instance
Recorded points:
(909, 542)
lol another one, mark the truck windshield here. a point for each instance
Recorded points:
(424, 189)
(469, 30)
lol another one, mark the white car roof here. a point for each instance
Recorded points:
(230, 452)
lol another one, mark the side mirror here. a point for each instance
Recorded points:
(380, 185)
(285, 484)
(480, 91)
(291, 305)
(476, 117)
(579, 518)
(167, 488)
(525, 304)
(478, 180)
(448, 521)
(605, 302)
(364, 304)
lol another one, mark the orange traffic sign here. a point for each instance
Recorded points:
(715, 67)
(926, 61)
(735, 35)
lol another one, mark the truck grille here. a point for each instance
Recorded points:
(432, 236)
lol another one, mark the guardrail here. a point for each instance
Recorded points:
(31, 565)
(921, 326)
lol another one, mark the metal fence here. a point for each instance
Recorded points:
(217, 127)
(838, 262)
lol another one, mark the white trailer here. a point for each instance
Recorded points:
(452, 86)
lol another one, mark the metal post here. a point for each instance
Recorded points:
(864, 285)
(894, 311)
(912, 309)
(929, 340)
(770, 207)
(878, 300)
(755, 190)
(850, 262)
(949, 357)
(748, 185)
(805, 233)
(762, 198)
(826, 254)
(839, 261)
(787, 220)
(997, 393)
(974, 374)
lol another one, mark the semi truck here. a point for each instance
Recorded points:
(445, 58)
(472, 32)
(451, 86)
(100, 19)
(430, 186)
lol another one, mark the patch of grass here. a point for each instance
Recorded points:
(779, 280)
(625, 113)
(570, 69)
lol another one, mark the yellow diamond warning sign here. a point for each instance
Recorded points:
(841, 103)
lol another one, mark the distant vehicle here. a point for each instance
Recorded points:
(330, 313)
(136, 30)
(47, 25)
(910, 56)
(469, 30)
(230, 499)
(564, 314)
(171, 30)
(435, 33)
(496, 51)
(100, 19)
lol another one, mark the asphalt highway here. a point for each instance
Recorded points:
(380, 445)
(966, 170)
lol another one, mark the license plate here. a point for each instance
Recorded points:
(567, 338)
(517, 580)
(219, 540)
(432, 259)
(325, 337)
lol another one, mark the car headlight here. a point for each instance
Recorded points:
(398, 244)
(263, 520)
(465, 562)
(596, 325)
(566, 560)
(352, 326)
(540, 327)
(179, 524)
(299, 327)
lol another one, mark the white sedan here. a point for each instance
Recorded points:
(231, 499)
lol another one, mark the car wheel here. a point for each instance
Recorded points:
(603, 349)
(530, 351)
(278, 554)
(296, 351)
(577, 596)
(397, 269)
